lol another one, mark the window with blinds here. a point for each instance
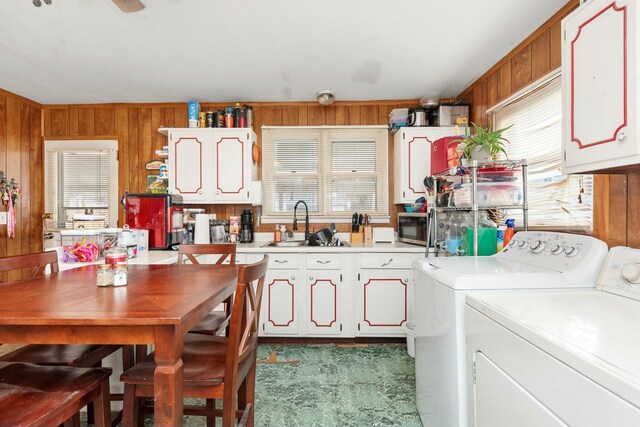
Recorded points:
(563, 202)
(335, 170)
(81, 175)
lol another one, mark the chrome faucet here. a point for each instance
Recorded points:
(306, 219)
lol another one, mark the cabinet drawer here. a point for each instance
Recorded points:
(323, 261)
(386, 260)
(282, 261)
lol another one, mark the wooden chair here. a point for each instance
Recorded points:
(75, 355)
(36, 396)
(216, 321)
(214, 367)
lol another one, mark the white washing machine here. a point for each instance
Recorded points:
(558, 358)
(532, 260)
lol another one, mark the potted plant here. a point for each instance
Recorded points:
(484, 144)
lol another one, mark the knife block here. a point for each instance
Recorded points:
(357, 237)
(368, 234)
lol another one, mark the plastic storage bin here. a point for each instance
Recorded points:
(489, 194)
(81, 245)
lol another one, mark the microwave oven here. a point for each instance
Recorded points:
(414, 228)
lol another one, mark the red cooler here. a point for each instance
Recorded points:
(161, 214)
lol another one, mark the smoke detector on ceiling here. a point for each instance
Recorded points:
(326, 97)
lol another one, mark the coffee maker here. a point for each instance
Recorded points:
(246, 226)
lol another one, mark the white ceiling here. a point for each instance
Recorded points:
(88, 51)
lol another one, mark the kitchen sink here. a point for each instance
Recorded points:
(296, 243)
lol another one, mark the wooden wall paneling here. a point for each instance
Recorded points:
(354, 115)
(46, 119)
(59, 122)
(600, 201)
(24, 213)
(316, 115)
(521, 69)
(540, 56)
(493, 85)
(290, 116)
(341, 115)
(133, 155)
(36, 170)
(633, 211)
(483, 103)
(73, 122)
(14, 245)
(146, 151)
(86, 123)
(3, 168)
(617, 227)
(122, 132)
(369, 115)
(555, 45)
(158, 140)
(504, 87)
(272, 116)
(104, 121)
(303, 116)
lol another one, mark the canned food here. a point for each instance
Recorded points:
(202, 119)
(209, 119)
(220, 118)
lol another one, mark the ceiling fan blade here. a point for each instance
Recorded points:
(129, 6)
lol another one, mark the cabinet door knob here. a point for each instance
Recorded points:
(199, 191)
(293, 277)
(217, 191)
(310, 277)
(622, 136)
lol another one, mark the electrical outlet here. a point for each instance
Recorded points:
(3, 218)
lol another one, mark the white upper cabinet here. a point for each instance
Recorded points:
(599, 81)
(412, 160)
(233, 165)
(190, 157)
(211, 165)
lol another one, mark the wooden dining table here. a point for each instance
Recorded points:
(158, 306)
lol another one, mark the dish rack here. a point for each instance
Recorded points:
(493, 175)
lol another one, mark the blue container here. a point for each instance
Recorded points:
(192, 114)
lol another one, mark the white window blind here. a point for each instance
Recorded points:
(555, 200)
(335, 170)
(79, 177)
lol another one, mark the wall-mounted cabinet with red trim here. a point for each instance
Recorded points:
(211, 165)
(600, 42)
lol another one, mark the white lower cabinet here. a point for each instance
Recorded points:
(324, 288)
(336, 294)
(384, 289)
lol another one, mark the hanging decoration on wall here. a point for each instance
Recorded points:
(9, 193)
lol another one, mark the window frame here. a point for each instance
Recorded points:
(521, 96)
(86, 145)
(325, 136)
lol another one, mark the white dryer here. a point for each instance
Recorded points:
(558, 358)
(532, 260)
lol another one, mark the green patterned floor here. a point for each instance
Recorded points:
(332, 386)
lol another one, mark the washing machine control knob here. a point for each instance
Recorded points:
(570, 251)
(522, 244)
(537, 246)
(513, 242)
(631, 273)
(557, 249)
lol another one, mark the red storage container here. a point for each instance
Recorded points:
(444, 153)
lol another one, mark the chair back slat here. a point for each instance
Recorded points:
(243, 331)
(225, 250)
(36, 262)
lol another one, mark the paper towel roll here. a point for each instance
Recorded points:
(201, 234)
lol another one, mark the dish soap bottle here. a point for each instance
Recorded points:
(509, 232)
(276, 234)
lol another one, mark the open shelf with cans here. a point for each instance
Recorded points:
(497, 186)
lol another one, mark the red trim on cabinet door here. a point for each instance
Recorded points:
(218, 166)
(409, 161)
(405, 302)
(175, 166)
(335, 303)
(292, 302)
(574, 138)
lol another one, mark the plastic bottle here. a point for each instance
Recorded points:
(487, 236)
(509, 232)
(276, 234)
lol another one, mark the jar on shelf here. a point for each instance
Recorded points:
(487, 236)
